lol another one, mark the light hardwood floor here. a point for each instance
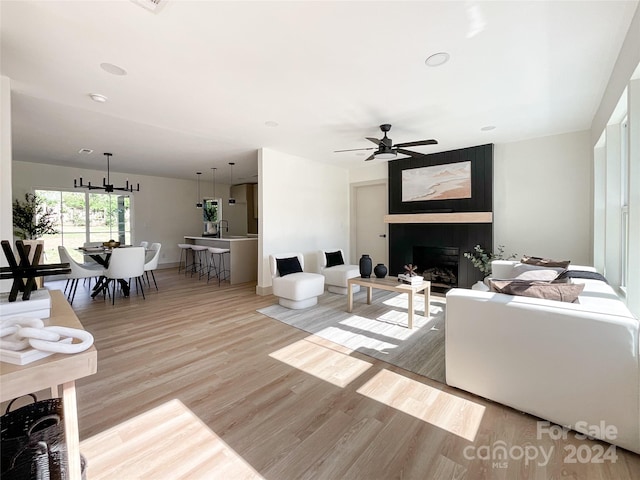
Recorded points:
(286, 405)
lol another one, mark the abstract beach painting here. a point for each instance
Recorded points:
(438, 182)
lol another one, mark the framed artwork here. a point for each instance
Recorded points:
(448, 181)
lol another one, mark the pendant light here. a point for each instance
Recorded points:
(198, 201)
(213, 172)
(232, 201)
(107, 186)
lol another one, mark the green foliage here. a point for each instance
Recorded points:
(32, 218)
(482, 260)
(210, 212)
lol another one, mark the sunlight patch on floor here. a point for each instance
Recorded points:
(167, 442)
(322, 361)
(448, 412)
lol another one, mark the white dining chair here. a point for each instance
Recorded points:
(152, 263)
(125, 264)
(144, 244)
(78, 272)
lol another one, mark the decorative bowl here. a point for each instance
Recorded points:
(111, 244)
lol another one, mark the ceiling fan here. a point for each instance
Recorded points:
(386, 150)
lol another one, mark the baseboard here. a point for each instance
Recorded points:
(264, 290)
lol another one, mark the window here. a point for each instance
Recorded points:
(86, 217)
(624, 190)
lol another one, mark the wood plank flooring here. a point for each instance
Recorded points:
(274, 412)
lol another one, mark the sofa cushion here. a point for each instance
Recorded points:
(334, 258)
(287, 266)
(340, 274)
(564, 292)
(544, 262)
(522, 271)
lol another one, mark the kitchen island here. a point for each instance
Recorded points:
(242, 261)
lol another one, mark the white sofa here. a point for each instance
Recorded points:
(336, 277)
(574, 364)
(295, 290)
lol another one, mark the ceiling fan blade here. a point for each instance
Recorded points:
(374, 140)
(354, 150)
(415, 144)
(371, 157)
(409, 152)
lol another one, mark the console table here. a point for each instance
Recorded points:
(53, 372)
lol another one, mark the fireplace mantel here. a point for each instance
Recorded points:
(460, 217)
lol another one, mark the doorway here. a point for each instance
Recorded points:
(369, 232)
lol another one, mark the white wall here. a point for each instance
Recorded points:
(542, 197)
(163, 210)
(6, 199)
(303, 207)
(628, 60)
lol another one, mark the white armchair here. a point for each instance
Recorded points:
(294, 287)
(337, 275)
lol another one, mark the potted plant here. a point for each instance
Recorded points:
(482, 260)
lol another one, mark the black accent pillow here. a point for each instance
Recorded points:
(288, 265)
(334, 258)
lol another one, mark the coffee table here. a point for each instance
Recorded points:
(391, 284)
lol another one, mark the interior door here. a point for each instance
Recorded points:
(371, 231)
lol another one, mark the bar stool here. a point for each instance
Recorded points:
(198, 256)
(218, 268)
(184, 248)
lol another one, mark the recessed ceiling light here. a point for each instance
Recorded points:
(488, 128)
(85, 150)
(271, 123)
(96, 97)
(437, 59)
(113, 69)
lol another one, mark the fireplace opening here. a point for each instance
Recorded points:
(439, 265)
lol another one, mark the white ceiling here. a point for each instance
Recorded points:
(205, 76)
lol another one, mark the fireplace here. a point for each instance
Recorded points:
(439, 265)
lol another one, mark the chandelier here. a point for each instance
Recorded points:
(107, 186)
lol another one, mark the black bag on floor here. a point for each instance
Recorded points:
(32, 442)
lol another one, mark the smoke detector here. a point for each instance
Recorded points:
(152, 5)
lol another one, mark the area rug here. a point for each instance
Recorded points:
(378, 330)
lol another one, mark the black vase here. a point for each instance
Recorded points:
(380, 270)
(365, 266)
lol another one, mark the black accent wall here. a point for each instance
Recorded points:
(464, 236)
(481, 200)
(404, 236)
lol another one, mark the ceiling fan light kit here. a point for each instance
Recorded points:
(107, 186)
(387, 150)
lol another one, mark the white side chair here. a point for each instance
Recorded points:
(78, 272)
(152, 263)
(294, 290)
(144, 244)
(124, 264)
(336, 276)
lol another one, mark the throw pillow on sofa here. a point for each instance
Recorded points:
(544, 262)
(334, 258)
(522, 271)
(289, 265)
(563, 292)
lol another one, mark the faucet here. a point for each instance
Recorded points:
(220, 223)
